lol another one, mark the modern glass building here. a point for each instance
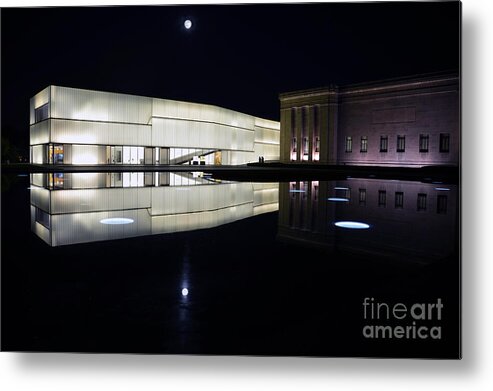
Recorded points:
(76, 126)
(69, 208)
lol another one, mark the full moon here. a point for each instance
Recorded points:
(188, 24)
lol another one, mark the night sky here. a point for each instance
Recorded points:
(235, 56)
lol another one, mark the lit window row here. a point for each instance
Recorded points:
(421, 202)
(309, 142)
(424, 143)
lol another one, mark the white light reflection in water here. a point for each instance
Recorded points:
(297, 191)
(351, 225)
(337, 199)
(116, 220)
(442, 189)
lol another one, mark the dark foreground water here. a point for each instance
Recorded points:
(181, 263)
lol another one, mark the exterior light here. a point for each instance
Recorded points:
(351, 225)
(116, 221)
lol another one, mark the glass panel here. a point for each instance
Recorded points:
(41, 113)
(58, 154)
(140, 155)
(126, 155)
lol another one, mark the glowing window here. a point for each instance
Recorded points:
(364, 144)
(349, 144)
(384, 143)
(401, 143)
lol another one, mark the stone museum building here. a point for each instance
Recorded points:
(409, 122)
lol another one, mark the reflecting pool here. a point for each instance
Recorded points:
(166, 262)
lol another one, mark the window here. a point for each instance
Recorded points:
(293, 144)
(58, 154)
(442, 204)
(401, 143)
(42, 218)
(382, 198)
(305, 146)
(304, 188)
(41, 113)
(317, 144)
(399, 199)
(423, 142)
(364, 144)
(421, 201)
(362, 196)
(58, 179)
(384, 143)
(444, 142)
(349, 144)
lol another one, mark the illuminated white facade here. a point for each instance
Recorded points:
(68, 208)
(74, 126)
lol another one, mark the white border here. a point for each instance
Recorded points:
(474, 372)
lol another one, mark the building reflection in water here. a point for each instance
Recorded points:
(408, 220)
(68, 208)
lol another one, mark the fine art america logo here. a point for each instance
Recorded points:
(401, 321)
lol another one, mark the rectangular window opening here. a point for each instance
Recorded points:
(399, 199)
(41, 113)
(349, 144)
(401, 143)
(364, 144)
(444, 142)
(421, 202)
(384, 143)
(382, 198)
(423, 142)
(362, 196)
(442, 204)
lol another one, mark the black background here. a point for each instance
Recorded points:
(235, 56)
